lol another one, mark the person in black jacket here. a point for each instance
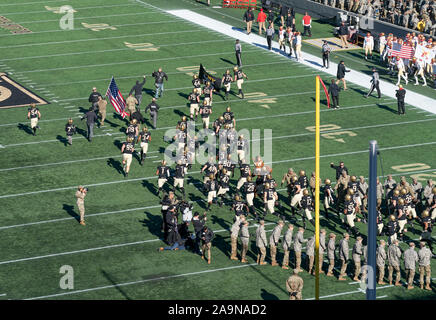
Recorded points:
(334, 91)
(401, 94)
(341, 167)
(198, 224)
(343, 34)
(91, 117)
(248, 19)
(340, 75)
(137, 88)
(93, 98)
(206, 242)
(159, 77)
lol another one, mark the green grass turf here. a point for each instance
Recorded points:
(124, 213)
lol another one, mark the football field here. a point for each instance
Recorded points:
(115, 255)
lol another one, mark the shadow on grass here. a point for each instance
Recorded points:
(70, 210)
(25, 128)
(107, 276)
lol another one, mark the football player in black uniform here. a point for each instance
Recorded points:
(205, 112)
(229, 118)
(194, 100)
(145, 138)
(227, 81)
(180, 137)
(196, 82)
(392, 229)
(127, 150)
(400, 214)
(218, 124)
(329, 194)
(239, 79)
(211, 187)
(208, 93)
(210, 168)
(307, 205)
(249, 190)
(229, 165)
(350, 214)
(239, 207)
(34, 115)
(224, 181)
(426, 229)
(163, 173)
(269, 198)
(245, 172)
(70, 129)
(132, 129)
(300, 185)
(179, 177)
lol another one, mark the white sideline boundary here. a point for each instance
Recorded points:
(388, 89)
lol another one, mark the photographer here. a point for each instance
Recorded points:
(80, 195)
(166, 202)
(159, 79)
(206, 242)
(198, 224)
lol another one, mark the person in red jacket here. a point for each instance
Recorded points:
(261, 18)
(307, 24)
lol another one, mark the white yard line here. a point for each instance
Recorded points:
(30, 3)
(134, 61)
(349, 292)
(312, 61)
(100, 39)
(143, 281)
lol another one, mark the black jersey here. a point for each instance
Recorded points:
(408, 200)
(207, 90)
(353, 186)
(245, 170)
(328, 190)
(128, 147)
(145, 136)
(131, 130)
(379, 217)
(239, 207)
(306, 202)
(270, 194)
(211, 185)
(227, 78)
(205, 111)
(179, 171)
(224, 181)
(238, 74)
(302, 181)
(193, 98)
(210, 168)
(249, 187)
(228, 117)
(163, 172)
(399, 208)
(70, 129)
(349, 206)
(196, 83)
(242, 143)
(228, 165)
(392, 227)
(216, 124)
(231, 136)
(33, 112)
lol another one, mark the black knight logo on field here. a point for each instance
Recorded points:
(13, 94)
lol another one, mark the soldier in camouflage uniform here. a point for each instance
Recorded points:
(261, 243)
(287, 242)
(298, 244)
(341, 187)
(381, 257)
(287, 178)
(410, 260)
(357, 257)
(394, 255)
(310, 253)
(322, 249)
(245, 238)
(234, 238)
(331, 247)
(343, 255)
(274, 241)
(294, 285)
(80, 195)
(424, 255)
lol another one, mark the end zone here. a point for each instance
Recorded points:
(13, 94)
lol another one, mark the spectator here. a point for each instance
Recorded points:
(261, 18)
(248, 19)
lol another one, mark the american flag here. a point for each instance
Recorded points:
(116, 98)
(402, 51)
